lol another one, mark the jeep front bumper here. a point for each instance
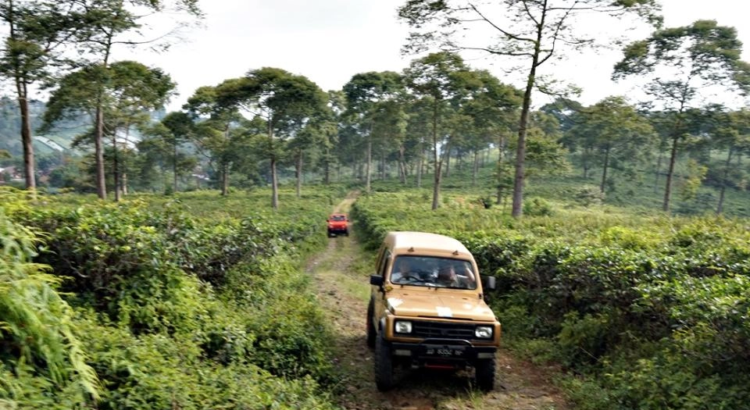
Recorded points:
(448, 353)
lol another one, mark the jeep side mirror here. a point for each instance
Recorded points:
(376, 280)
(490, 283)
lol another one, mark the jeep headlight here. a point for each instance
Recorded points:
(402, 326)
(483, 332)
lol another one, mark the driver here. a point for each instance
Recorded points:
(402, 271)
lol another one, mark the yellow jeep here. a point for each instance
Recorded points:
(427, 309)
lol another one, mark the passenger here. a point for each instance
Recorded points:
(448, 277)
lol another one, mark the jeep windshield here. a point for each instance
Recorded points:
(429, 271)
(338, 218)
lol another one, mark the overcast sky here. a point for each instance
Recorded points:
(330, 40)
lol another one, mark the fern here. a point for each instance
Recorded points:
(35, 322)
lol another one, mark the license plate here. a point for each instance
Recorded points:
(444, 352)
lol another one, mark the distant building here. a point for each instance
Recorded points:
(9, 171)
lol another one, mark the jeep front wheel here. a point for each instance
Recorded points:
(485, 374)
(370, 327)
(383, 365)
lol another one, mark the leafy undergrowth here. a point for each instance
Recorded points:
(648, 313)
(143, 305)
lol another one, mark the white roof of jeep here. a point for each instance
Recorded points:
(421, 242)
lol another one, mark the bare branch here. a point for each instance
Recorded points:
(531, 16)
(556, 36)
(495, 52)
(507, 34)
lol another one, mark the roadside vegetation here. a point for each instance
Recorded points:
(161, 303)
(638, 311)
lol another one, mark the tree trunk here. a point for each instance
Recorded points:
(585, 163)
(101, 186)
(299, 174)
(368, 176)
(174, 167)
(604, 172)
(115, 166)
(447, 161)
(383, 175)
(420, 165)
(676, 132)
(720, 207)
(225, 180)
(125, 183)
(23, 104)
(28, 143)
(327, 177)
(670, 174)
(518, 183)
(658, 170)
(438, 162)
(476, 169)
(500, 170)
(274, 176)
(402, 164)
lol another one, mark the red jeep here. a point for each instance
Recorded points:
(337, 224)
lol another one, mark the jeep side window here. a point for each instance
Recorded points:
(379, 263)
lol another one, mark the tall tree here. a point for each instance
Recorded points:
(532, 30)
(131, 91)
(492, 105)
(332, 125)
(363, 92)
(312, 140)
(441, 80)
(732, 133)
(389, 122)
(37, 34)
(111, 23)
(176, 128)
(679, 62)
(418, 128)
(285, 102)
(612, 131)
(213, 134)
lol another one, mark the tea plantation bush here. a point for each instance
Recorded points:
(643, 313)
(143, 306)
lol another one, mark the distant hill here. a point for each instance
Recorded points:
(48, 143)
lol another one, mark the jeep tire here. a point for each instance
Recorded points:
(383, 365)
(371, 334)
(485, 374)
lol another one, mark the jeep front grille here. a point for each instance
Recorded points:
(443, 330)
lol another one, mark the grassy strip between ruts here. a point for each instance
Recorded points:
(143, 305)
(648, 313)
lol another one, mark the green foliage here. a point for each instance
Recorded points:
(589, 195)
(537, 207)
(37, 333)
(169, 309)
(646, 312)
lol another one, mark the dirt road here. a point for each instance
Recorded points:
(341, 277)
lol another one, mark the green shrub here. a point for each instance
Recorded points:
(537, 207)
(174, 310)
(648, 313)
(589, 195)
